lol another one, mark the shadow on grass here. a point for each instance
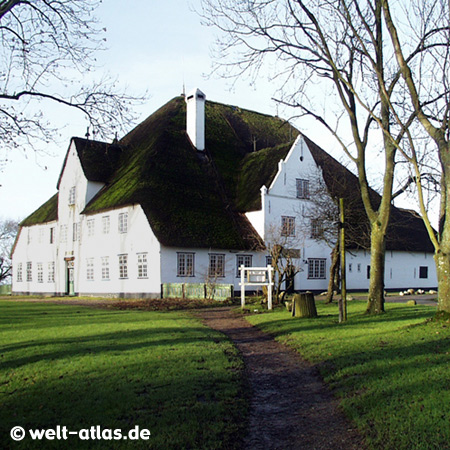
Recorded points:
(182, 382)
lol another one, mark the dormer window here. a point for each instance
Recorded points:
(72, 196)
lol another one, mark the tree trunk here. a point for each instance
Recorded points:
(333, 269)
(304, 305)
(375, 301)
(443, 276)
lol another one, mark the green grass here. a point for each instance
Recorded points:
(77, 367)
(391, 372)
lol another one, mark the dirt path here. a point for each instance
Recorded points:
(290, 407)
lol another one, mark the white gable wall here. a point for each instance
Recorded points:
(402, 269)
(280, 200)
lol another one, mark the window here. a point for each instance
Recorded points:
(423, 272)
(52, 235)
(185, 265)
(29, 271)
(359, 267)
(72, 196)
(269, 260)
(90, 269)
(29, 236)
(350, 267)
(302, 188)
(105, 224)
(123, 266)
(41, 235)
(242, 260)
(142, 265)
(19, 273)
(51, 272)
(368, 272)
(63, 233)
(316, 268)
(76, 231)
(216, 265)
(90, 227)
(287, 226)
(105, 267)
(316, 229)
(40, 273)
(123, 222)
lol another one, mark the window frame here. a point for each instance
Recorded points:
(302, 188)
(72, 196)
(123, 223)
(51, 272)
(90, 269)
(288, 226)
(317, 268)
(184, 260)
(246, 261)
(316, 229)
(29, 271)
(216, 267)
(123, 266)
(142, 265)
(40, 272)
(106, 224)
(105, 268)
(90, 223)
(19, 273)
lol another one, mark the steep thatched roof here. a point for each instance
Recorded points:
(190, 197)
(198, 199)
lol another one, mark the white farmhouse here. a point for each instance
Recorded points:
(192, 193)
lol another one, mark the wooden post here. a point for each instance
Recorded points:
(242, 286)
(343, 301)
(304, 305)
(269, 288)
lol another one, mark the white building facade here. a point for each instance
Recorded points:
(115, 251)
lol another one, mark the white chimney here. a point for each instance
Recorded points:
(195, 118)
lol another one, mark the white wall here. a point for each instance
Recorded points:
(402, 270)
(280, 199)
(201, 261)
(33, 245)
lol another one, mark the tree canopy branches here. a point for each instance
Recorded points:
(47, 53)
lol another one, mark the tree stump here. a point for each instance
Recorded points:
(304, 305)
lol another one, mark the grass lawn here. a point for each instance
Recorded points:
(391, 372)
(79, 367)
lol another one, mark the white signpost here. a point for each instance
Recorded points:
(257, 276)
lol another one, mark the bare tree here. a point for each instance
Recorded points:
(420, 35)
(284, 243)
(46, 49)
(8, 232)
(339, 45)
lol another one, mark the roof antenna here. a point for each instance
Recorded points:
(87, 133)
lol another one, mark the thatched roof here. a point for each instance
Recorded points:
(198, 199)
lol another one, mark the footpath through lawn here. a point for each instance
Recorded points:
(79, 367)
(391, 372)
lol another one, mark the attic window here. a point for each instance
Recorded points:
(200, 96)
(191, 96)
(72, 196)
(302, 188)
